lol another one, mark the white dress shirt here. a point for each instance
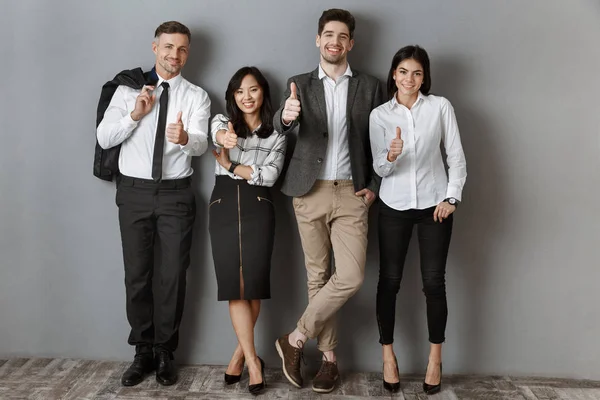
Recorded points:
(137, 137)
(337, 160)
(417, 178)
(264, 155)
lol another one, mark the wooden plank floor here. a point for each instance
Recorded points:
(48, 379)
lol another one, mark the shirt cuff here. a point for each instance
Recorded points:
(254, 175)
(386, 166)
(190, 145)
(454, 192)
(128, 122)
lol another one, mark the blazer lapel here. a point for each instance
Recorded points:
(318, 94)
(352, 87)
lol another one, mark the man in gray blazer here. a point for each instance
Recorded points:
(333, 184)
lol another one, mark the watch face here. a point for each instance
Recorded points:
(452, 201)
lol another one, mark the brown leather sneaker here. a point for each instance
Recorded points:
(326, 378)
(290, 357)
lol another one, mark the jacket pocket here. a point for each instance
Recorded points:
(214, 201)
(264, 199)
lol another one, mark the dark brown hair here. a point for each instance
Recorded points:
(336, 14)
(173, 27)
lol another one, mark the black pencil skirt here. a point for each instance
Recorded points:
(242, 230)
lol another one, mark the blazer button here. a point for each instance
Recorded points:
(325, 134)
(319, 160)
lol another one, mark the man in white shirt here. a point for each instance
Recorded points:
(333, 183)
(159, 128)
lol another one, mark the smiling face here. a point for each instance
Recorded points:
(171, 51)
(334, 43)
(408, 76)
(249, 96)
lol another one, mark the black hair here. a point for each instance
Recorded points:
(410, 52)
(236, 116)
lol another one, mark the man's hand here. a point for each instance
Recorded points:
(143, 103)
(291, 109)
(368, 195)
(175, 132)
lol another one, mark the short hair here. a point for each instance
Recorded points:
(236, 116)
(410, 52)
(173, 27)
(337, 14)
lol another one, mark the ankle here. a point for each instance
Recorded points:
(329, 356)
(388, 354)
(296, 337)
(435, 361)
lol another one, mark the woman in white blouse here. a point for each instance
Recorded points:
(241, 213)
(406, 133)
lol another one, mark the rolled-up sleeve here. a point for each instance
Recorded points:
(267, 173)
(218, 123)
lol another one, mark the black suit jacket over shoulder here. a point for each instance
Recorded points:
(106, 162)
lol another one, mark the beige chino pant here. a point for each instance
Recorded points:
(331, 217)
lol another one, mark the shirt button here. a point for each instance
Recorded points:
(319, 160)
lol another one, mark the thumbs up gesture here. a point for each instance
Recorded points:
(175, 132)
(396, 146)
(291, 109)
(230, 139)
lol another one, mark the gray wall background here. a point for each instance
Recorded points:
(523, 270)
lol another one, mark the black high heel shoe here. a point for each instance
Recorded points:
(392, 387)
(256, 389)
(231, 379)
(433, 389)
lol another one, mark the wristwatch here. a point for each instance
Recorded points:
(452, 201)
(232, 167)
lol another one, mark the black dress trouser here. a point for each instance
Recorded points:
(163, 214)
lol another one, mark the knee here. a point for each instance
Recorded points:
(434, 286)
(388, 284)
(315, 286)
(351, 282)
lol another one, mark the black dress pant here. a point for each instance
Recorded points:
(163, 214)
(395, 231)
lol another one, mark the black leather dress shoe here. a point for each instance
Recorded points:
(142, 365)
(166, 373)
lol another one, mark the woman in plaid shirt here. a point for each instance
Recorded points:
(241, 211)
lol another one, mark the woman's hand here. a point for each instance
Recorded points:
(443, 211)
(222, 158)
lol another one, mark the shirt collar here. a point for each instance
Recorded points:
(322, 73)
(173, 82)
(420, 97)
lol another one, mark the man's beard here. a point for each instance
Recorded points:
(335, 60)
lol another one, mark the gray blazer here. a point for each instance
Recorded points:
(364, 94)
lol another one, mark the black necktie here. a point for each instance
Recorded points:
(159, 141)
